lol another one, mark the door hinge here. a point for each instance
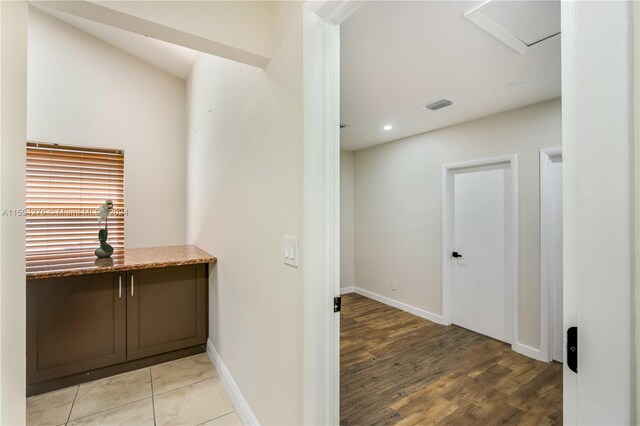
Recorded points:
(572, 349)
(337, 304)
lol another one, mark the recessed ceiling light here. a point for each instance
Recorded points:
(388, 127)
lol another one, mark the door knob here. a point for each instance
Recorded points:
(456, 254)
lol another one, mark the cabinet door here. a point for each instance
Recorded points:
(74, 324)
(166, 310)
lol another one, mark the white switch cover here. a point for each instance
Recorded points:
(290, 250)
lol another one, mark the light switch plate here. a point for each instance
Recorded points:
(290, 250)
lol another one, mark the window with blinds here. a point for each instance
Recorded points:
(65, 188)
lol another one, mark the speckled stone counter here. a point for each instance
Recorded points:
(84, 262)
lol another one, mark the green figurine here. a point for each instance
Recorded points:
(105, 250)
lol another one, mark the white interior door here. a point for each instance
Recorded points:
(479, 293)
(555, 256)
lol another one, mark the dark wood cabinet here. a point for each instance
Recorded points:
(166, 310)
(79, 324)
(74, 324)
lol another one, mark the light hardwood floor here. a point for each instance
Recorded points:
(396, 368)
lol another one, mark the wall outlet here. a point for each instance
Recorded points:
(394, 285)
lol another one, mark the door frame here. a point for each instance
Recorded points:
(636, 200)
(321, 208)
(598, 209)
(511, 225)
(321, 220)
(546, 314)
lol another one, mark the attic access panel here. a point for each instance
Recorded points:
(521, 25)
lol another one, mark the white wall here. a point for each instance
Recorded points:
(347, 198)
(245, 194)
(398, 223)
(82, 91)
(13, 127)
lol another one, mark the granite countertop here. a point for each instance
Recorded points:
(84, 262)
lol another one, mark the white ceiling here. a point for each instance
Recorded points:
(397, 56)
(174, 59)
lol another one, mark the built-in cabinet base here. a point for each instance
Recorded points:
(80, 328)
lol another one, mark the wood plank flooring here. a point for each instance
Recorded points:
(397, 368)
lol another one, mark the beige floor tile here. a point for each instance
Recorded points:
(50, 408)
(138, 413)
(192, 405)
(182, 372)
(111, 392)
(231, 419)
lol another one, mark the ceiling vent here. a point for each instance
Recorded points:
(439, 105)
(521, 25)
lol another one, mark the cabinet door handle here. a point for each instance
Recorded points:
(131, 285)
(119, 286)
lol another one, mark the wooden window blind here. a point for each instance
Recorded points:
(65, 188)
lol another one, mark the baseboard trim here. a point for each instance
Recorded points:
(242, 406)
(528, 351)
(345, 290)
(438, 319)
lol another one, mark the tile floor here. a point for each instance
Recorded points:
(187, 391)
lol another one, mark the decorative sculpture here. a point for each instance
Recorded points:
(105, 250)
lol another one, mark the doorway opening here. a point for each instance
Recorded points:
(551, 329)
(442, 311)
